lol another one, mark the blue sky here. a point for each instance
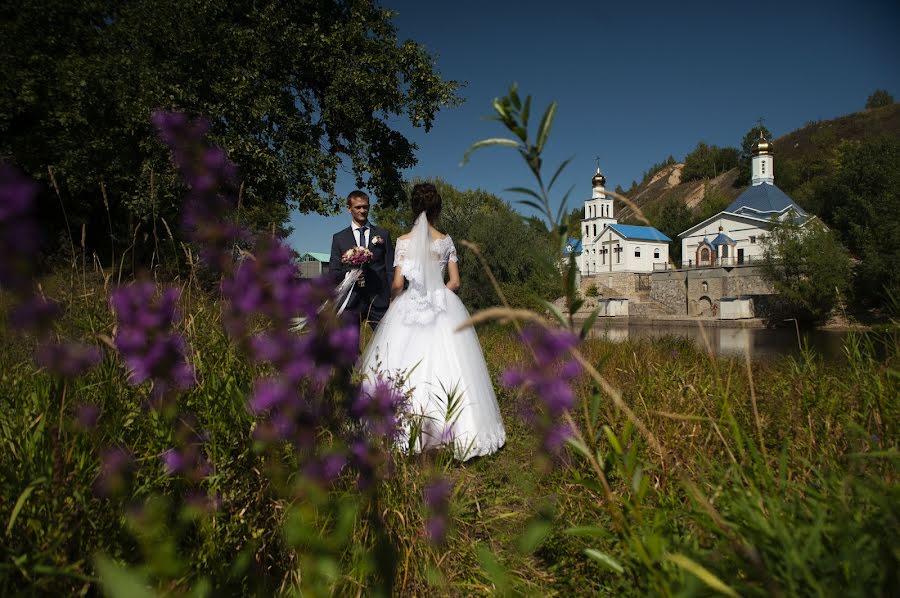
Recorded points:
(635, 81)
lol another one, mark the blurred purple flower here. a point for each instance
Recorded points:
(325, 469)
(115, 467)
(87, 414)
(364, 458)
(269, 284)
(173, 461)
(273, 394)
(378, 406)
(549, 379)
(437, 502)
(291, 354)
(212, 186)
(555, 438)
(187, 458)
(19, 232)
(436, 529)
(34, 313)
(145, 339)
(67, 359)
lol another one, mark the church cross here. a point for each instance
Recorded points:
(759, 121)
(597, 158)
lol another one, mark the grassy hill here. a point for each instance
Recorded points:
(796, 156)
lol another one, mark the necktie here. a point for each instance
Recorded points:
(362, 236)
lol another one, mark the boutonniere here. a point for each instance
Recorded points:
(377, 240)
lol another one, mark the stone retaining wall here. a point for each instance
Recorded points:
(697, 292)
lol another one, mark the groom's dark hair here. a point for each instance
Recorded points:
(425, 198)
(357, 194)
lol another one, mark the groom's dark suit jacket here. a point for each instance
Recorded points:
(372, 299)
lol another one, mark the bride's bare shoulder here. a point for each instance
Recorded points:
(404, 237)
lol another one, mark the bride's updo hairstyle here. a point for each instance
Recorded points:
(425, 198)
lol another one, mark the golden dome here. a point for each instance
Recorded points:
(599, 180)
(761, 146)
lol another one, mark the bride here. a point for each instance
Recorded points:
(453, 400)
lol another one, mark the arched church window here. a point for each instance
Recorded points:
(705, 287)
(595, 230)
(656, 254)
(637, 252)
(763, 164)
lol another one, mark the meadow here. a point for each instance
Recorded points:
(170, 434)
(702, 475)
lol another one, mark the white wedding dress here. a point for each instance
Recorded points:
(418, 342)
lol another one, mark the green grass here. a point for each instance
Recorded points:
(801, 499)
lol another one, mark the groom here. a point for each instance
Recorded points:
(370, 301)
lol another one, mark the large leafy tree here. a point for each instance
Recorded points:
(860, 198)
(708, 161)
(295, 91)
(673, 218)
(519, 251)
(808, 267)
(879, 99)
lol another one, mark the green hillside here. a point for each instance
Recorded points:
(799, 156)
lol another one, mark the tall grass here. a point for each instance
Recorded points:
(809, 511)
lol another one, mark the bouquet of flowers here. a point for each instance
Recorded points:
(356, 258)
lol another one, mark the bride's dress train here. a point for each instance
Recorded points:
(453, 401)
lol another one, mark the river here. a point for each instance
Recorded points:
(762, 343)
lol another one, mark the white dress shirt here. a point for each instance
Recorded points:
(368, 233)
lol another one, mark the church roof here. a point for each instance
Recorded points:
(572, 246)
(722, 239)
(640, 233)
(762, 201)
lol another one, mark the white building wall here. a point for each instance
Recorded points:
(647, 249)
(746, 236)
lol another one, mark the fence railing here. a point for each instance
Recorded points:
(722, 261)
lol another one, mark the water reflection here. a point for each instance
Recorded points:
(761, 343)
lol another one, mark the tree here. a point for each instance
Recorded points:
(573, 223)
(519, 251)
(808, 267)
(746, 153)
(860, 199)
(294, 91)
(708, 161)
(674, 218)
(879, 98)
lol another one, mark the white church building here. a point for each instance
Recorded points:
(607, 246)
(733, 236)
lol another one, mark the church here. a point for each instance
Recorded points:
(607, 247)
(733, 236)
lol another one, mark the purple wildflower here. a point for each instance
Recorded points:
(269, 284)
(327, 468)
(212, 184)
(549, 379)
(365, 458)
(145, 339)
(34, 313)
(378, 406)
(291, 354)
(173, 461)
(437, 502)
(273, 394)
(115, 467)
(87, 414)
(19, 232)
(187, 459)
(67, 359)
